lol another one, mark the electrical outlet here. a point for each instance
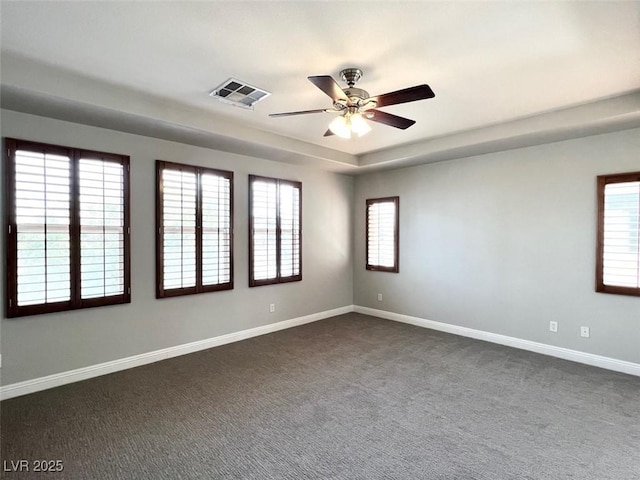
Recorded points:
(272, 307)
(584, 332)
(379, 297)
(553, 327)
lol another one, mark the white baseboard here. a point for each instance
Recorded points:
(564, 353)
(58, 379)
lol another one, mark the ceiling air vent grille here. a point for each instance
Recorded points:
(239, 93)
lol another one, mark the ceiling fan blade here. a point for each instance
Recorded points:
(328, 133)
(329, 86)
(302, 112)
(411, 94)
(388, 119)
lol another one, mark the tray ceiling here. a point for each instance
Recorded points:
(490, 64)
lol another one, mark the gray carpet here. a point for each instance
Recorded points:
(352, 397)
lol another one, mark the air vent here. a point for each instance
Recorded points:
(239, 93)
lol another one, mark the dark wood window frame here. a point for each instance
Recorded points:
(279, 278)
(199, 287)
(602, 182)
(396, 235)
(76, 301)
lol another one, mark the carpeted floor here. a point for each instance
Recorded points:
(352, 397)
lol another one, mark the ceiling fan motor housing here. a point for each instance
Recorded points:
(358, 98)
(355, 94)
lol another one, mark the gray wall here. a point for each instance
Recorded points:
(40, 345)
(504, 243)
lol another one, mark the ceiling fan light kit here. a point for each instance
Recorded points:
(348, 123)
(355, 105)
(341, 127)
(358, 125)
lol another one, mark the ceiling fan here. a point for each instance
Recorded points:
(355, 105)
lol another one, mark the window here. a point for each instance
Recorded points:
(194, 235)
(382, 234)
(618, 246)
(68, 228)
(274, 230)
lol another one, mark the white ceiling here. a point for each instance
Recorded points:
(489, 63)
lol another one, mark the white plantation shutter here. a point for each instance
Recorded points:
(382, 234)
(67, 236)
(102, 228)
(179, 228)
(275, 226)
(621, 235)
(195, 233)
(290, 230)
(264, 232)
(43, 220)
(216, 229)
